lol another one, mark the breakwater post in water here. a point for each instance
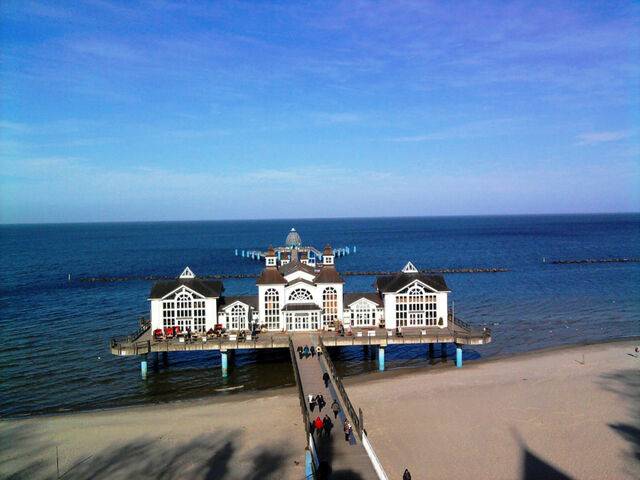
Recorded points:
(250, 275)
(593, 260)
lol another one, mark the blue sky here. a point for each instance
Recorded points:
(160, 110)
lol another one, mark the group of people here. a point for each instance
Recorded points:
(324, 425)
(307, 351)
(316, 400)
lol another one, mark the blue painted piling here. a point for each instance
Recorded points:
(381, 358)
(224, 363)
(458, 356)
(243, 253)
(236, 252)
(354, 249)
(143, 367)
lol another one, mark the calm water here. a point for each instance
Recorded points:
(55, 333)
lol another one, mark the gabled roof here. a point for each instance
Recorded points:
(228, 300)
(300, 280)
(328, 274)
(394, 283)
(207, 288)
(350, 298)
(271, 276)
(295, 265)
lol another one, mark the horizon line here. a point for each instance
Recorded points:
(98, 222)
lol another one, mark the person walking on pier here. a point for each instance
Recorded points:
(335, 407)
(406, 475)
(326, 379)
(318, 424)
(300, 351)
(320, 401)
(326, 424)
(347, 430)
(313, 351)
(306, 351)
(312, 402)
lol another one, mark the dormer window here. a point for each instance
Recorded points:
(187, 273)
(409, 268)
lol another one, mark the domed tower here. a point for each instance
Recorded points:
(293, 239)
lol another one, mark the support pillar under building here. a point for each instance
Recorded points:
(458, 355)
(443, 350)
(381, 358)
(224, 362)
(431, 350)
(143, 367)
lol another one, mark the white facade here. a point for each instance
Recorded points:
(304, 298)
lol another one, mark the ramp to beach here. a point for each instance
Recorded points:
(333, 456)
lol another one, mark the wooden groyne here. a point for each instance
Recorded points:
(251, 275)
(593, 260)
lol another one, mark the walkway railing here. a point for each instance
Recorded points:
(355, 418)
(303, 402)
(145, 325)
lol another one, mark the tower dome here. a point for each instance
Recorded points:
(293, 239)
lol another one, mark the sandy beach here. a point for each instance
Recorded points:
(566, 412)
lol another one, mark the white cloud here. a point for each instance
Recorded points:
(602, 137)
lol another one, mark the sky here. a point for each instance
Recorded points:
(172, 110)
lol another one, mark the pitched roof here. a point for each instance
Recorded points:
(328, 251)
(294, 266)
(393, 283)
(207, 288)
(349, 298)
(300, 280)
(328, 274)
(271, 276)
(251, 300)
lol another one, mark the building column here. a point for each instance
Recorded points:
(458, 355)
(431, 350)
(143, 367)
(443, 350)
(381, 358)
(223, 354)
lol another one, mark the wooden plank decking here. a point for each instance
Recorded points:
(457, 332)
(344, 459)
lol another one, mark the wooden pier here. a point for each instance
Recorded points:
(457, 332)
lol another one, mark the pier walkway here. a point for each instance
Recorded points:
(334, 457)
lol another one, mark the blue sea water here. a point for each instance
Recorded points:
(55, 332)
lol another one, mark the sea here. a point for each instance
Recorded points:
(55, 327)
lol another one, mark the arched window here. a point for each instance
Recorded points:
(183, 305)
(329, 305)
(410, 307)
(300, 295)
(272, 309)
(238, 317)
(364, 314)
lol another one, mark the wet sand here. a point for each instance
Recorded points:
(536, 415)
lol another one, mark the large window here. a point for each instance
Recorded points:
(272, 309)
(300, 295)
(416, 308)
(184, 311)
(364, 314)
(330, 305)
(238, 318)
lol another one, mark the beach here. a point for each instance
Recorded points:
(563, 412)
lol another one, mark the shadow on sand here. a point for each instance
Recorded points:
(207, 457)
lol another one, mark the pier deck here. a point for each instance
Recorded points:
(457, 332)
(343, 459)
